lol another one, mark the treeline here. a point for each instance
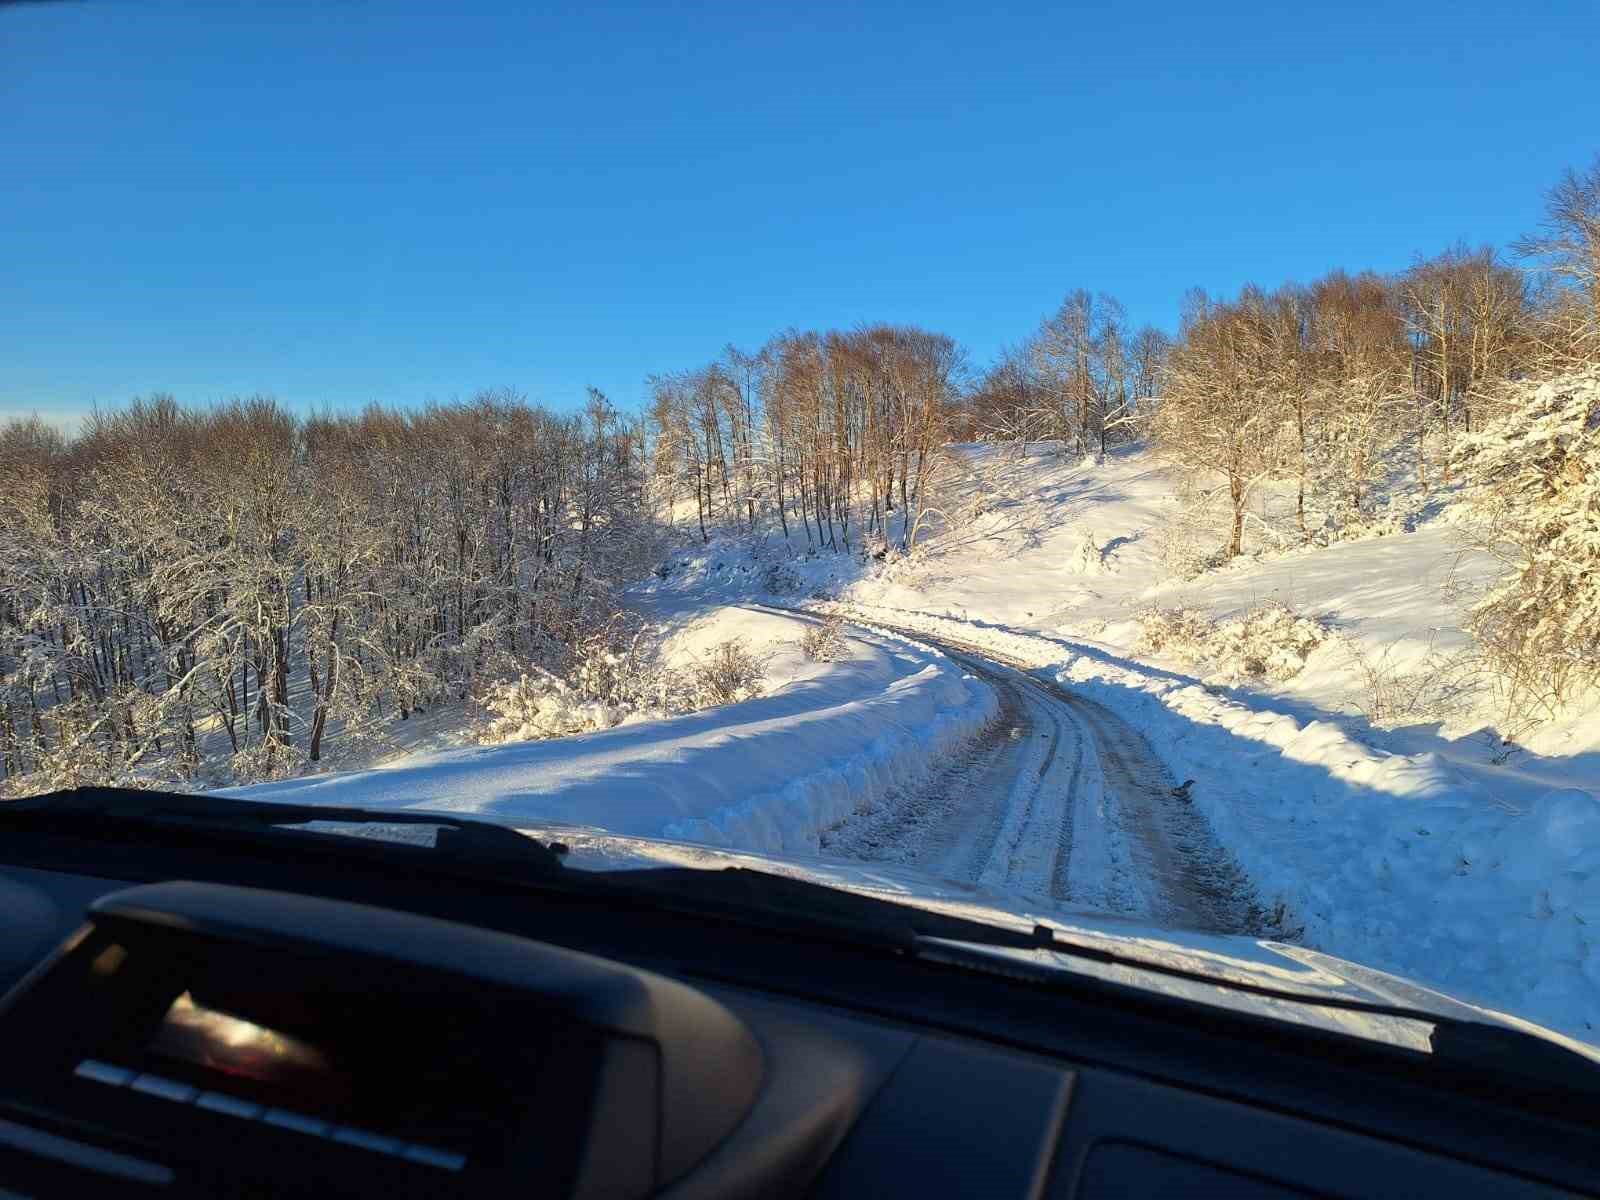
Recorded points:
(203, 593)
(1334, 385)
(1321, 385)
(834, 434)
(1330, 387)
(1083, 378)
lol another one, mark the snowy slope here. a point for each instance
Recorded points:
(1428, 849)
(1415, 848)
(767, 774)
(1402, 862)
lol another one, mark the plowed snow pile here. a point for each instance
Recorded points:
(766, 774)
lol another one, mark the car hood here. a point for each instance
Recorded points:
(1224, 958)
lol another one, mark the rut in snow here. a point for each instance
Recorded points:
(1059, 798)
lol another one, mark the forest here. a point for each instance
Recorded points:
(205, 594)
(1318, 383)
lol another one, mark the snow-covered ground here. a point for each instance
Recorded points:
(1429, 847)
(1426, 847)
(766, 774)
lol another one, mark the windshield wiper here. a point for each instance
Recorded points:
(1457, 1040)
(457, 838)
(807, 906)
(1481, 1047)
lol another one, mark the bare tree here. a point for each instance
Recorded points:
(1568, 241)
(1217, 419)
(1360, 378)
(1147, 359)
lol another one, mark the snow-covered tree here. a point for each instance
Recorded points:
(213, 594)
(1533, 476)
(1219, 418)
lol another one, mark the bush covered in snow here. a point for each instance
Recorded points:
(726, 674)
(1533, 480)
(613, 676)
(1178, 632)
(780, 579)
(1269, 641)
(538, 704)
(824, 641)
(1090, 556)
(1384, 522)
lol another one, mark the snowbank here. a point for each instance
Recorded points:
(1398, 861)
(768, 774)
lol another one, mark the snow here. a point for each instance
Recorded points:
(1412, 849)
(767, 774)
(1403, 862)
(1425, 847)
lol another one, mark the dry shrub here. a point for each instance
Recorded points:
(613, 676)
(727, 673)
(1435, 686)
(1178, 632)
(1268, 641)
(780, 579)
(824, 641)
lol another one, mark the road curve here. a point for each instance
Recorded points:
(1058, 798)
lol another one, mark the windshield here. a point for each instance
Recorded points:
(851, 443)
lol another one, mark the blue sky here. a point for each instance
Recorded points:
(344, 202)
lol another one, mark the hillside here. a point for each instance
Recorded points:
(1343, 748)
(1420, 840)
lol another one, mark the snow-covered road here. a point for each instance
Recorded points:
(1060, 798)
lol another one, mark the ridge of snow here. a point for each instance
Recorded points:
(768, 774)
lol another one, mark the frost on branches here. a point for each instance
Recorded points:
(225, 595)
(1269, 641)
(612, 679)
(541, 705)
(1533, 476)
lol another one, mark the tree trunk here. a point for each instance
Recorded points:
(1236, 492)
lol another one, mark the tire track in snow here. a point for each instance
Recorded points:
(1060, 875)
(1038, 798)
(1197, 881)
(1092, 820)
(1001, 813)
(935, 825)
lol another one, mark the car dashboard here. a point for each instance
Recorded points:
(186, 1019)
